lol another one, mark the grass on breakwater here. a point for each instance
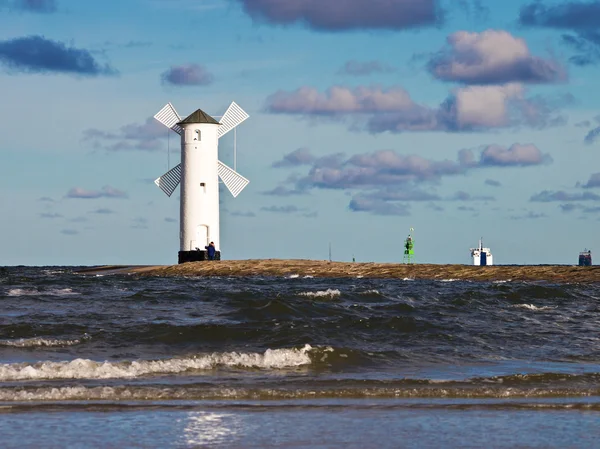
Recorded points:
(320, 268)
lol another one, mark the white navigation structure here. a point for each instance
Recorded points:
(482, 256)
(199, 174)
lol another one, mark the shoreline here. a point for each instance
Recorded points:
(326, 269)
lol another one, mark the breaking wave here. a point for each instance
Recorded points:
(526, 386)
(36, 292)
(532, 307)
(38, 341)
(90, 369)
(329, 293)
(373, 292)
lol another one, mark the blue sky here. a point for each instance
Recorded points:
(367, 117)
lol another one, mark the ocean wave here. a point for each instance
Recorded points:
(22, 292)
(548, 378)
(290, 392)
(36, 292)
(532, 307)
(373, 292)
(329, 293)
(38, 341)
(90, 369)
(53, 271)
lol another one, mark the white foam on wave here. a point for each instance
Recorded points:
(53, 271)
(106, 393)
(532, 307)
(36, 292)
(293, 276)
(22, 292)
(502, 282)
(449, 280)
(370, 292)
(38, 341)
(60, 292)
(408, 279)
(90, 369)
(117, 393)
(101, 393)
(68, 393)
(329, 293)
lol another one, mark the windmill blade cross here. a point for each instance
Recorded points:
(169, 117)
(232, 118)
(170, 180)
(232, 179)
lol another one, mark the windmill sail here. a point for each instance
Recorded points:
(169, 117)
(235, 182)
(170, 180)
(232, 179)
(232, 118)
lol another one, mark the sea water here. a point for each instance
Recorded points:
(131, 361)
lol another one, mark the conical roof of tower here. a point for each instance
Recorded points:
(199, 116)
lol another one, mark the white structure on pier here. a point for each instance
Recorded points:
(199, 173)
(481, 255)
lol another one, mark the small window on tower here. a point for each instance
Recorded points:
(198, 135)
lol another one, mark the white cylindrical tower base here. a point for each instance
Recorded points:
(199, 221)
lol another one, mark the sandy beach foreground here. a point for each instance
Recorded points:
(319, 268)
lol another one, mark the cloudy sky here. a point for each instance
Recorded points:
(460, 118)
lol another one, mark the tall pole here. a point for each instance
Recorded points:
(235, 148)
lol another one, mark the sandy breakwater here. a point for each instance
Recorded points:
(320, 268)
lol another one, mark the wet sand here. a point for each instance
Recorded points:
(319, 268)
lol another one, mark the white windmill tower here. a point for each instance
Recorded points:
(199, 173)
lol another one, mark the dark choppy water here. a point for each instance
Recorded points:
(121, 360)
